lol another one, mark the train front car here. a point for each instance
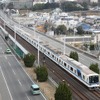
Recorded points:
(93, 81)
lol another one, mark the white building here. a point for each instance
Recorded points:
(95, 1)
(70, 22)
(42, 1)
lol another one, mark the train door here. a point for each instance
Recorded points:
(79, 73)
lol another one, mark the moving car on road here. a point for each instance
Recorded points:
(35, 89)
(8, 51)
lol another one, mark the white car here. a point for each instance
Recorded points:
(8, 51)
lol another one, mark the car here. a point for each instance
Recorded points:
(8, 51)
(35, 89)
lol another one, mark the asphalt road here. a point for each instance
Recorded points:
(83, 58)
(14, 81)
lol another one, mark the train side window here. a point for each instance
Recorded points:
(49, 53)
(83, 77)
(71, 68)
(57, 59)
(53, 56)
(65, 64)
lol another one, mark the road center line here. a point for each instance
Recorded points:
(6, 83)
(14, 72)
(19, 82)
(27, 97)
(5, 57)
(9, 64)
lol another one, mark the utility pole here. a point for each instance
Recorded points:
(64, 46)
(38, 52)
(15, 35)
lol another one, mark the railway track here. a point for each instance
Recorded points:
(79, 91)
(76, 94)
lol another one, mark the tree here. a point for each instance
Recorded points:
(74, 55)
(41, 73)
(94, 67)
(10, 5)
(61, 29)
(71, 6)
(63, 92)
(29, 60)
(45, 6)
(85, 5)
(2, 5)
(92, 46)
(80, 30)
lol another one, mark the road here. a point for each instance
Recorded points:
(83, 58)
(15, 84)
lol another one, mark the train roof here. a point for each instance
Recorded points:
(77, 65)
(54, 50)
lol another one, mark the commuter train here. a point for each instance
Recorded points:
(75, 68)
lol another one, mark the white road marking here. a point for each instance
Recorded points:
(9, 64)
(27, 97)
(6, 83)
(14, 72)
(5, 57)
(43, 96)
(29, 76)
(19, 82)
(23, 69)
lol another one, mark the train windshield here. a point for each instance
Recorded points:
(93, 79)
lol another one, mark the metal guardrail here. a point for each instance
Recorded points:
(53, 82)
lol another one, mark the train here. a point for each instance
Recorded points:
(81, 72)
(75, 68)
